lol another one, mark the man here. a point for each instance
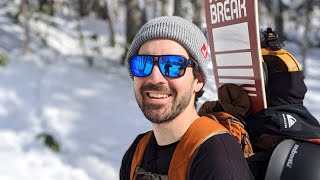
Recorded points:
(169, 103)
(167, 68)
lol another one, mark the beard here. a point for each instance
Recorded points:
(163, 113)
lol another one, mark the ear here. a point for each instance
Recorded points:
(199, 84)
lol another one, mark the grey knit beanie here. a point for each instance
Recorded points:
(176, 28)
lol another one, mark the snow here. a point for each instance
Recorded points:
(91, 111)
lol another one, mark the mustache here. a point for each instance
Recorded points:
(154, 87)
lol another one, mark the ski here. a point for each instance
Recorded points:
(233, 35)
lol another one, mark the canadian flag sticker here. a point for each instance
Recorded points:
(204, 50)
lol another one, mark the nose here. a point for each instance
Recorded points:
(156, 77)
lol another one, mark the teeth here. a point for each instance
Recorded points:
(162, 96)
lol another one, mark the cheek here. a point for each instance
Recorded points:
(186, 82)
(195, 84)
(137, 83)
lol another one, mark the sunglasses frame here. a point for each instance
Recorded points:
(155, 59)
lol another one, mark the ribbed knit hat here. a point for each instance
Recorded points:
(178, 29)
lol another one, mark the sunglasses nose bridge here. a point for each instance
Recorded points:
(156, 74)
(156, 63)
(155, 60)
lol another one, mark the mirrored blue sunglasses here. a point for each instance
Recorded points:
(172, 66)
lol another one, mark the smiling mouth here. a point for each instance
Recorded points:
(158, 95)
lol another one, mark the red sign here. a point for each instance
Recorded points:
(233, 35)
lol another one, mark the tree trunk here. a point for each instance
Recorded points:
(183, 8)
(165, 7)
(157, 9)
(40, 5)
(278, 18)
(198, 12)
(133, 22)
(81, 36)
(82, 7)
(51, 5)
(110, 21)
(306, 41)
(134, 19)
(26, 18)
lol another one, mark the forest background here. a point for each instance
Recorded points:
(67, 109)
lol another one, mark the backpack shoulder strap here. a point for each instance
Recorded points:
(200, 130)
(138, 154)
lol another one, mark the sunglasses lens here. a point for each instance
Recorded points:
(141, 66)
(172, 66)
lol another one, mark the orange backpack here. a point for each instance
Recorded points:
(231, 110)
(236, 129)
(184, 151)
(209, 125)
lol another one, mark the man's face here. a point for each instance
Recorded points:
(160, 98)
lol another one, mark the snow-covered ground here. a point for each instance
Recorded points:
(91, 111)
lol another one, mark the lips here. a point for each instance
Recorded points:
(157, 95)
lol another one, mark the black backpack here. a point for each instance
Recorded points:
(285, 118)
